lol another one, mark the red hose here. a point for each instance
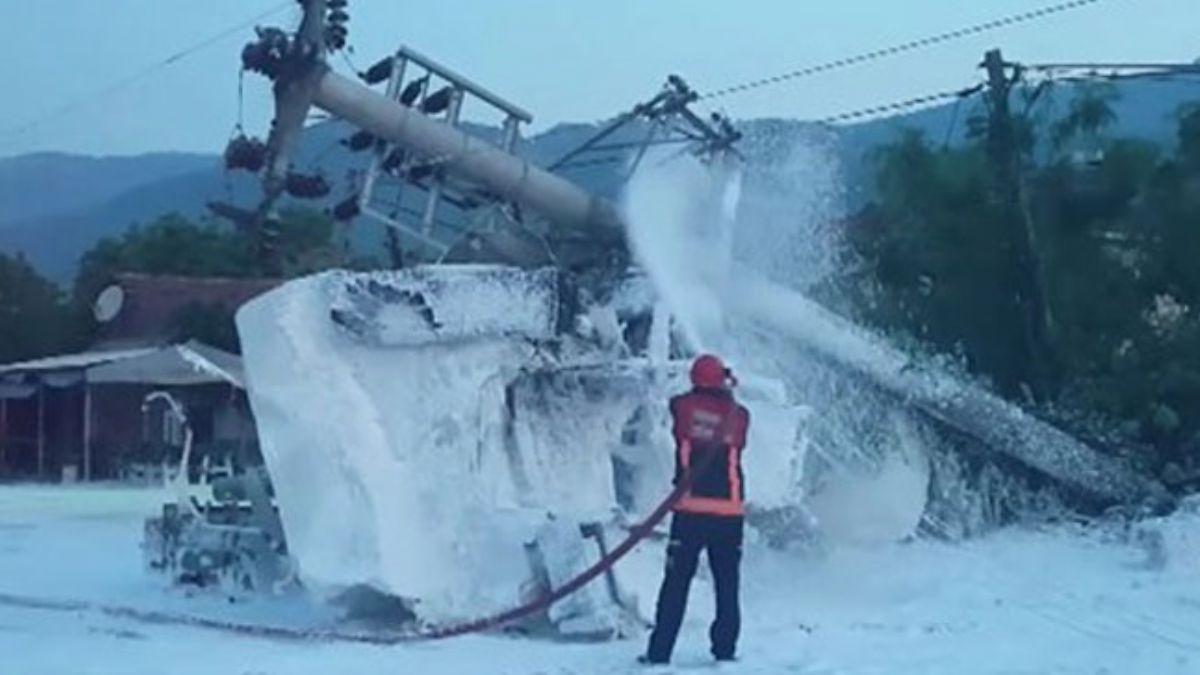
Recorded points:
(636, 534)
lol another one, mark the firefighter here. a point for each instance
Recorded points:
(710, 432)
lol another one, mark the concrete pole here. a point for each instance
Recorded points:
(1001, 426)
(87, 431)
(435, 190)
(504, 174)
(1010, 193)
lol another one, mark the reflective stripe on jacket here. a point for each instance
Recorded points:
(710, 430)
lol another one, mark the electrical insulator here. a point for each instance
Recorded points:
(420, 172)
(335, 26)
(380, 72)
(413, 90)
(336, 4)
(438, 101)
(393, 162)
(268, 54)
(246, 153)
(361, 140)
(346, 210)
(335, 37)
(304, 186)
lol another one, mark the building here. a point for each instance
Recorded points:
(82, 415)
(140, 310)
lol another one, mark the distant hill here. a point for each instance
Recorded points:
(53, 242)
(54, 184)
(53, 207)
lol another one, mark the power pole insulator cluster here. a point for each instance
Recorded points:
(245, 153)
(336, 31)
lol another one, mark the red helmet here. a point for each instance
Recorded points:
(709, 372)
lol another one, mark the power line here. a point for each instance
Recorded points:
(1048, 75)
(913, 45)
(1177, 73)
(1083, 74)
(126, 81)
(902, 106)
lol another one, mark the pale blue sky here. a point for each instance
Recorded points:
(564, 60)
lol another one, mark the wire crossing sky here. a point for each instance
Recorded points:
(97, 97)
(566, 60)
(912, 45)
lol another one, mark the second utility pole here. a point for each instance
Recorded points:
(1005, 155)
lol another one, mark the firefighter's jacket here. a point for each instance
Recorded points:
(710, 433)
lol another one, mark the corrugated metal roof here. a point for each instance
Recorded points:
(74, 361)
(186, 364)
(177, 365)
(230, 365)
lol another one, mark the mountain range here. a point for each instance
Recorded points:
(55, 206)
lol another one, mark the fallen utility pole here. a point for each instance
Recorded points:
(1000, 426)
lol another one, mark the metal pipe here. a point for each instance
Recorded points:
(511, 129)
(435, 192)
(510, 177)
(462, 82)
(399, 68)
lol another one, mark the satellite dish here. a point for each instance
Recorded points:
(108, 304)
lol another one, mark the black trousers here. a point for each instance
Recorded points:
(690, 534)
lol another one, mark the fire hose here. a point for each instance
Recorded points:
(636, 534)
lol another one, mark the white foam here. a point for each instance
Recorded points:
(388, 462)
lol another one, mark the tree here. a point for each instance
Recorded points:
(1189, 136)
(1089, 114)
(211, 324)
(943, 255)
(36, 318)
(1119, 244)
(174, 245)
(170, 245)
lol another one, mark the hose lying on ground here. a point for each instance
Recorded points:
(636, 534)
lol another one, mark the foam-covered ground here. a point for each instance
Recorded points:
(1064, 600)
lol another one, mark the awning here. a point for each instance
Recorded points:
(72, 361)
(175, 365)
(179, 365)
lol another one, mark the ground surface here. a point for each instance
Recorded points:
(1050, 601)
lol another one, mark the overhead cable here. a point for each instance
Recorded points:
(913, 45)
(902, 106)
(150, 69)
